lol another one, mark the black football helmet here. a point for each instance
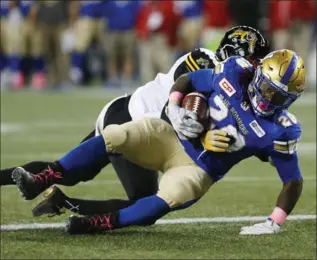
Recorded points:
(243, 41)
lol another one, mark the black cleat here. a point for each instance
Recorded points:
(32, 185)
(91, 224)
(52, 204)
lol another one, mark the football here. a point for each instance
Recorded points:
(197, 103)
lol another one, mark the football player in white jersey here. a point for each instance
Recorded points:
(146, 101)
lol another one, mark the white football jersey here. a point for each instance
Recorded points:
(149, 100)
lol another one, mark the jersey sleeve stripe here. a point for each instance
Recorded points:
(288, 147)
(193, 62)
(286, 142)
(189, 65)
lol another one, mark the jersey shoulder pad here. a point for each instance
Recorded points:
(289, 132)
(239, 65)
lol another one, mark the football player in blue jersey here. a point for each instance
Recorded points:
(147, 101)
(249, 104)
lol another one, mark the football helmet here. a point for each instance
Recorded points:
(278, 81)
(243, 41)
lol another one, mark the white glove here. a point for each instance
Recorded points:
(268, 227)
(184, 122)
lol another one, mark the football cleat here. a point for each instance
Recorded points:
(91, 224)
(52, 204)
(32, 185)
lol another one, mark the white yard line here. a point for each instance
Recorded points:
(33, 226)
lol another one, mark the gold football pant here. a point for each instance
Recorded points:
(153, 144)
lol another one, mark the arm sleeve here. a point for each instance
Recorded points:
(202, 80)
(284, 154)
(287, 166)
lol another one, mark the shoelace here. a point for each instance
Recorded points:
(46, 177)
(100, 222)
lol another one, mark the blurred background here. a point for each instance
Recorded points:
(61, 45)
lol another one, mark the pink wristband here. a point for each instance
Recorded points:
(175, 97)
(278, 215)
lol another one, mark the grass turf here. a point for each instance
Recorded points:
(44, 126)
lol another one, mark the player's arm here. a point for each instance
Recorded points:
(203, 80)
(285, 159)
(185, 122)
(291, 177)
(290, 174)
(200, 80)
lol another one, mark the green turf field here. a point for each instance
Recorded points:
(45, 126)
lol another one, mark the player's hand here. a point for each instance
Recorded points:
(216, 141)
(184, 122)
(267, 227)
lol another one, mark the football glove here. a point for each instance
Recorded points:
(216, 141)
(184, 122)
(268, 227)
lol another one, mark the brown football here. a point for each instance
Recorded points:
(197, 103)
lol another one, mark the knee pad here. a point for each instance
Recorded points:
(115, 136)
(176, 197)
(182, 186)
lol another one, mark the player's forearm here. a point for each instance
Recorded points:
(289, 195)
(181, 87)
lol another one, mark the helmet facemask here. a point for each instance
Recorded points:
(268, 97)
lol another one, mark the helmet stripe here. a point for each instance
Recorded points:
(290, 70)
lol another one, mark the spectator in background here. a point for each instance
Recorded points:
(291, 23)
(216, 23)
(190, 28)
(156, 32)
(120, 41)
(311, 61)
(252, 13)
(13, 21)
(52, 21)
(4, 9)
(31, 44)
(88, 25)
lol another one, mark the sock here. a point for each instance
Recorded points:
(84, 155)
(143, 212)
(93, 207)
(78, 60)
(15, 63)
(32, 167)
(78, 63)
(39, 64)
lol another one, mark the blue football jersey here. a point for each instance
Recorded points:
(91, 8)
(4, 8)
(274, 136)
(25, 7)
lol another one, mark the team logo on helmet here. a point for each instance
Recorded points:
(278, 81)
(239, 36)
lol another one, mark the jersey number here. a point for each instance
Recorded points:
(287, 120)
(221, 114)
